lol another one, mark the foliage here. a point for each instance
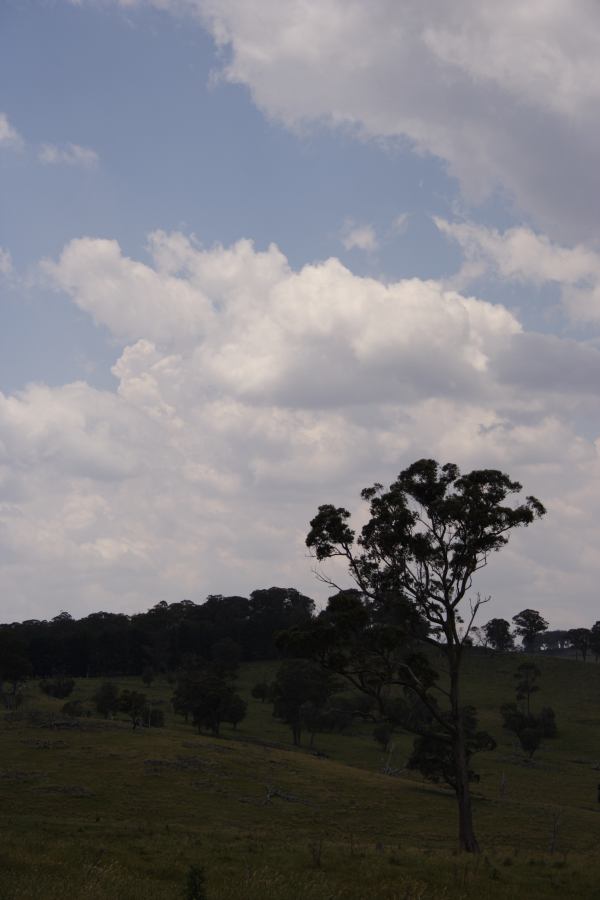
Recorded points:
(526, 678)
(595, 640)
(498, 636)
(529, 728)
(60, 687)
(75, 709)
(113, 645)
(235, 711)
(260, 691)
(226, 655)
(529, 624)
(434, 757)
(135, 704)
(15, 669)
(106, 699)
(299, 682)
(581, 639)
(209, 698)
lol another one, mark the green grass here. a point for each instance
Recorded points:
(107, 812)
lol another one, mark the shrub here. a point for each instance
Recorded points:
(75, 709)
(57, 687)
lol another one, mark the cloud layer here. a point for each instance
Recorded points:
(250, 392)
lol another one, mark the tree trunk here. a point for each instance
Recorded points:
(466, 835)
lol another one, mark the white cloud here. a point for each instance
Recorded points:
(6, 266)
(508, 97)
(248, 393)
(519, 254)
(263, 332)
(9, 136)
(69, 155)
(359, 237)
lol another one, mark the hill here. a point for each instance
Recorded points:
(91, 808)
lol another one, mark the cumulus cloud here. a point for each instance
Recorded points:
(250, 392)
(68, 155)
(321, 336)
(9, 136)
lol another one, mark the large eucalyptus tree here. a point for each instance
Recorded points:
(413, 565)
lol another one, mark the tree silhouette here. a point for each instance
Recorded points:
(498, 636)
(413, 566)
(528, 625)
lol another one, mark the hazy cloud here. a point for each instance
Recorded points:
(6, 266)
(359, 237)
(9, 136)
(68, 155)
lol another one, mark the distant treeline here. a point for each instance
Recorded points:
(169, 637)
(163, 638)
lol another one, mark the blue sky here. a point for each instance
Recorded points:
(176, 152)
(174, 404)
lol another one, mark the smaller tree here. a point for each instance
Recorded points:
(235, 711)
(595, 640)
(106, 699)
(15, 669)
(382, 734)
(526, 678)
(261, 691)
(498, 636)
(135, 704)
(59, 687)
(529, 729)
(74, 709)
(298, 682)
(547, 722)
(581, 639)
(208, 697)
(528, 625)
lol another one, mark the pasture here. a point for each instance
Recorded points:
(94, 809)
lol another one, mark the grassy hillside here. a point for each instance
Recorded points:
(101, 811)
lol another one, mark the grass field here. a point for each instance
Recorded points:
(102, 811)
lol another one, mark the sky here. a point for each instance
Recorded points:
(255, 256)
